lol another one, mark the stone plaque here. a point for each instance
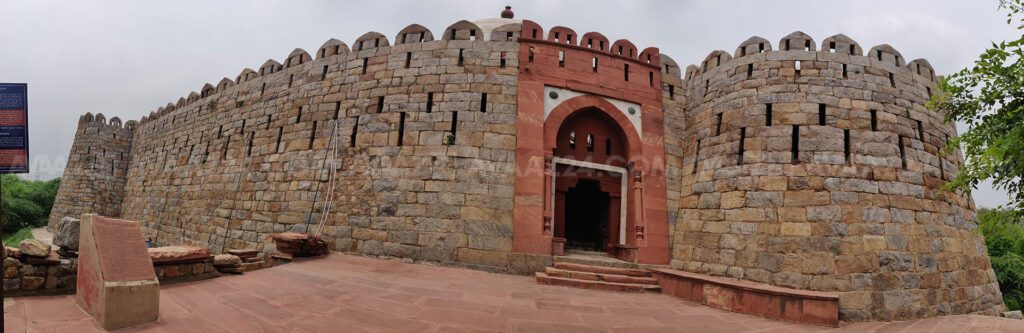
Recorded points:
(116, 282)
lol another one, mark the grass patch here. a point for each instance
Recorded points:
(14, 239)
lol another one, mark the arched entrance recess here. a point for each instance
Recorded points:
(591, 203)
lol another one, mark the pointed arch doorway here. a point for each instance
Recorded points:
(590, 200)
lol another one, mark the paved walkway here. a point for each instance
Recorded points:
(353, 294)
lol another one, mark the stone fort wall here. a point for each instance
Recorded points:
(820, 168)
(806, 167)
(423, 139)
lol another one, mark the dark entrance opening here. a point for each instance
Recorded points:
(586, 216)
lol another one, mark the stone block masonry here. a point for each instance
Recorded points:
(424, 134)
(821, 170)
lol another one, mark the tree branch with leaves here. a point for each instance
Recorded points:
(989, 98)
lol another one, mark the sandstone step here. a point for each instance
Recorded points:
(594, 261)
(543, 278)
(601, 269)
(578, 275)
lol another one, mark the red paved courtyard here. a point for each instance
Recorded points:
(343, 293)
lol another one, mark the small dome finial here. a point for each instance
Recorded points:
(507, 13)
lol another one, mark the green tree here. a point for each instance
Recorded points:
(989, 97)
(26, 203)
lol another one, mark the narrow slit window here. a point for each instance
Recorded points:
(608, 147)
(298, 117)
(620, 49)
(531, 51)
(832, 47)
(561, 58)
(768, 114)
(807, 45)
(707, 86)
(380, 104)
(903, 152)
(671, 91)
(845, 73)
(590, 43)
(794, 147)
(750, 70)
(509, 36)
(267, 124)
(401, 127)
(220, 131)
(718, 124)
(280, 133)
(323, 75)
(355, 132)
(821, 114)
(928, 90)
(590, 143)
(600, 44)
(248, 147)
(472, 34)
(625, 71)
(263, 88)
(337, 110)
(874, 120)
(557, 37)
(483, 102)
(455, 126)
(743, 136)
(797, 66)
(650, 78)
(743, 51)
(696, 156)
(760, 47)
(291, 78)
(846, 146)
(366, 62)
(430, 102)
(787, 45)
(312, 135)
(593, 64)
(892, 80)
(502, 63)
(879, 53)
(853, 50)
(462, 59)
(572, 140)
(408, 59)
(534, 35)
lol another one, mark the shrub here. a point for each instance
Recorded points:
(1004, 238)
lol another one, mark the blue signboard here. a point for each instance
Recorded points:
(13, 128)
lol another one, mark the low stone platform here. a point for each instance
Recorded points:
(800, 306)
(356, 294)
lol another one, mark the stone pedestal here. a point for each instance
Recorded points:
(116, 282)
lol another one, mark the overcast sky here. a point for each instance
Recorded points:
(126, 58)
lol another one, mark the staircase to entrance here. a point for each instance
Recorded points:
(595, 270)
